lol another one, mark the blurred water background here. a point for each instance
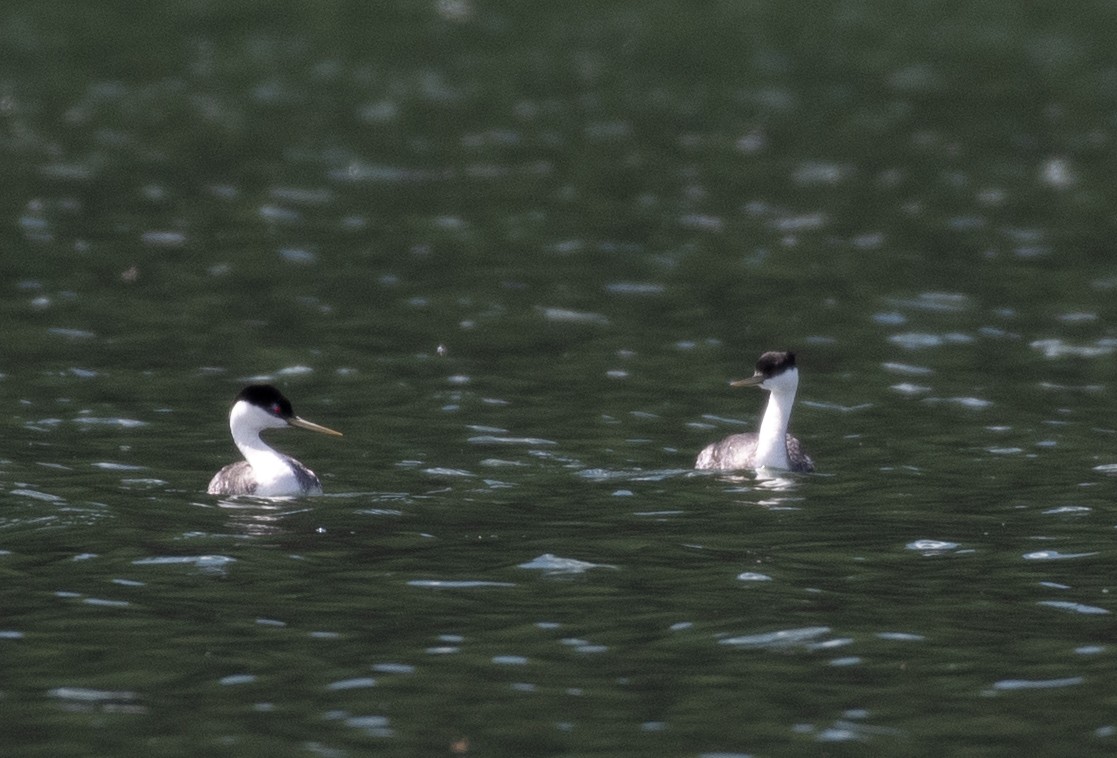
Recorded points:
(515, 251)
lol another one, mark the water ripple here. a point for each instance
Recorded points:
(205, 562)
(454, 472)
(124, 423)
(1054, 555)
(901, 636)
(1037, 684)
(932, 547)
(1063, 605)
(89, 695)
(552, 564)
(781, 639)
(752, 576)
(569, 316)
(456, 584)
(111, 466)
(1057, 348)
(163, 239)
(907, 369)
(583, 646)
(359, 682)
(609, 475)
(377, 726)
(491, 439)
(635, 288)
(907, 388)
(74, 334)
(971, 403)
(923, 340)
(36, 495)
(935, 302)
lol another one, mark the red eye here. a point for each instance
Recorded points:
(275, 409)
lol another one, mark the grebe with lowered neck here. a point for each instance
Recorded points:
(265, 472)
(772, 447)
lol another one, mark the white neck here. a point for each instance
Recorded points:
(268, 466)
(771, 445)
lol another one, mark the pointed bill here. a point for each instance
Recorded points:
(302, 423)
(752, 381)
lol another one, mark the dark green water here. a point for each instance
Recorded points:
(515, 252)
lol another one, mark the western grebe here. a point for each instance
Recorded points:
(264, 472)
(773, 447)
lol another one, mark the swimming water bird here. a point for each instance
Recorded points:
(773, 447)
(265, 472)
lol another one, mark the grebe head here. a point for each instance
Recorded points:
(775, 372)
(262, 406)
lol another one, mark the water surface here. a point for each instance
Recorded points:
(516, 255)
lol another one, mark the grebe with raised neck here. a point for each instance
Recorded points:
(772, 447)
(265, 472)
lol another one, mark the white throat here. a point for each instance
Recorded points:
(771, 444)
(269, 467)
